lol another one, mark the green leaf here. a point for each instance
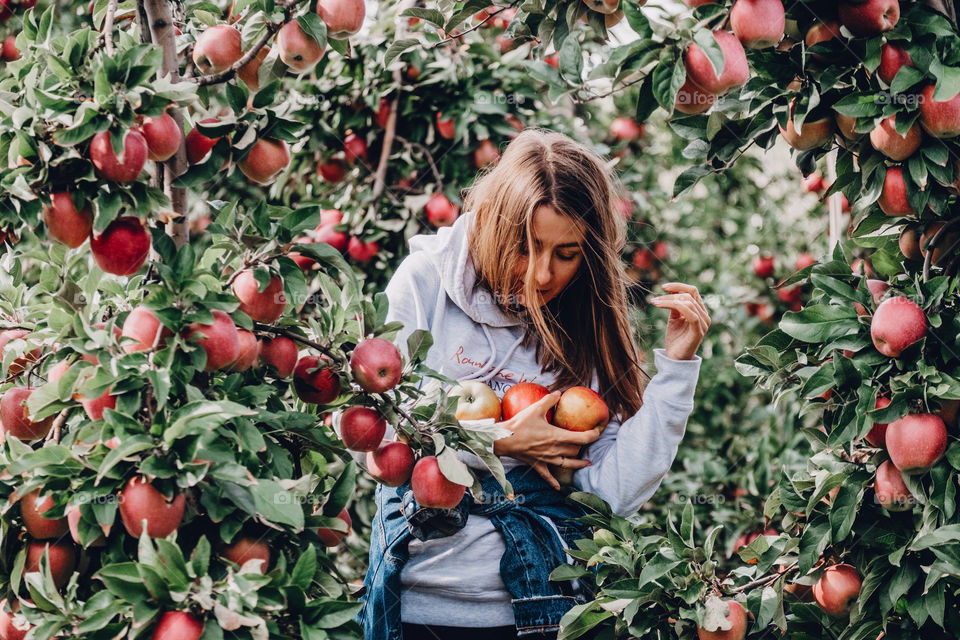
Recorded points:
(341, 491)
(820, 323)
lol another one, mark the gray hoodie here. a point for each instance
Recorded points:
(455, 581)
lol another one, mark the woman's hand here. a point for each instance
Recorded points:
(539, 443)
(688, 321)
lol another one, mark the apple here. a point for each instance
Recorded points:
(333, 170)
(837, 589)
(475, 401)
(298, 50)
(758, 23)
(812, 133)
(244, 549)
(38, 525)
(446, 127)
(64, 222)
(789, 295)
(603, 6)
(249, 351)
(877, 435)
(691, 100)
(20, 363)
(805, 260)
(822, 31)
(354, 148)
(199, 145)
(627, 128)
(814, 183)
(916, 442)
(123, 246)
(265, 160)
(869, 17)
(581, 409)
(735, 70)
(736, 616)
(61, 556)
(887, 141)
(948, 412)
(9, 51)
(163, 137)
(877, 289)
(893, 198)
(440, 211)
(910, 243)
(332, 537)
(140, 501)
(264, 306)
(391, 463)
(15, 417)
(316, 387)
(847, 126)
(250, 72)
(644, 259)
(362, 251)
(383, 112)
(892, 58)
(281, 353)
(763, 266)
(342, 17)
(897, 324)
(486, 153)
(94, 407)
(217, 48)
(73, 522)
(219, 340)
(125, 167)
(8, 630)
(891, 491)
(939, 119)
(178, 625)
(143, 325)
(362, 428)
(522, 395)
(376, 365)
(944, 242)
(431, 488)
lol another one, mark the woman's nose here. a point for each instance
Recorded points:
(543, 274)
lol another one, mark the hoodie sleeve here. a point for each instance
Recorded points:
(631, 459)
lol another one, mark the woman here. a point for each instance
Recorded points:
(528, 286)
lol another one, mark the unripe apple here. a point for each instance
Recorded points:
(362, 428)
(446, 127)
(763, 266)
(431, 488)
(8, 631)
(626, 129)
(125, 167)
(281, 353)
(916, 442)
(15, 417)
(887, 141)
(316, 387)
(178, 625)
(244, 549)
(163, 137)
(897, 324)
(219, 340)
(61, 557)
(248, 352)
(199, 145)
(143, 325)
(758, 23)
(893, 198)
(485, 153)
(522, 395)
(376, 365)
(877, 435)
(73, 522)
(737, 617)
(265, 160)
(869, 17)
(123, 246)
(354, 148)
(140, 501)
(20, 363)
(362, 251)
(890, 489)
(700, 70)
(332, 537)
(217, 48)
(837, 589)
(812, 133)
(64, 222)
(250, 72)
(333, 170)
(581, 409)
(264, 306)
(39, 526)
(892, 58)
(342, 17)
(298, 50)
(440, 211)
(391, 463)
(691, 100)
(939, 119)
(475, 401)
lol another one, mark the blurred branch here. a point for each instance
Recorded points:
(108, 28)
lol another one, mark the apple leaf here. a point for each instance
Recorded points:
(453, 468)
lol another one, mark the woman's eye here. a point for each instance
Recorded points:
(569, 258)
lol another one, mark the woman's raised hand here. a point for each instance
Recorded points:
(689, 319)
(538, 443)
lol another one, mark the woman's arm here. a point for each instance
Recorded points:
(631, 459)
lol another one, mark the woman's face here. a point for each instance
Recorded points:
(557, 255)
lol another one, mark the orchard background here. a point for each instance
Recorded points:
(276, 157)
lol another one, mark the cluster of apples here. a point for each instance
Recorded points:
(331, 231)
(917, 240)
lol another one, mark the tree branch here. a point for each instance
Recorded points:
(108, 28)
(426, 152)
(474, 27)
(325, 350)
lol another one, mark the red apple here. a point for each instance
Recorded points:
(362, 428)
(199, 145)
(265, 159)
(847, 126)
(891, 491)
(789, 295)
(813, 183)
(892, 58)
(897, 324)
(61, 556)
(362, 251)
(281, 353)
(916, 442)
(249, 351)
(691, 100)
(391, 463)
(893, 199)
(700, 70)
(140, 501)
(763, 266)
(376, 365)
(944, 242)
(332, 537)
(887, 141)
(178, 625)
(244, 549)
(333, 170)
(73, 522)
(522, 395)
(822, 31)
(145, 327)
(298, 50)
(909, 243)
(581, 409)
(758, 23)
(475, 401)
(39, 526)
(123, 246)
(877, 436)
(445, 127)
(217, 48)
(627, 128)
(837, 589)
(250, 72)
(219, 340)
(328, 234)
(20, 363)
(440, 211)
(94, 407)
(15, 417)
(485, 153)
(9, 51)
(431, 488)
(8, 631)
(813, 133)
(939, 119)
(125, 167)
(163, 137)
(64, 222)
(342, 17)
(316, 387)
(264, 306)
(737, 617)
(804, 260)
(869, 17)
(354, 148)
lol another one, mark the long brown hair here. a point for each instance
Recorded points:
(586, 328)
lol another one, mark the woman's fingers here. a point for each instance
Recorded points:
(544, 472)
(568, 462)
(681, 287)
(688, 309)
(578, 438)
